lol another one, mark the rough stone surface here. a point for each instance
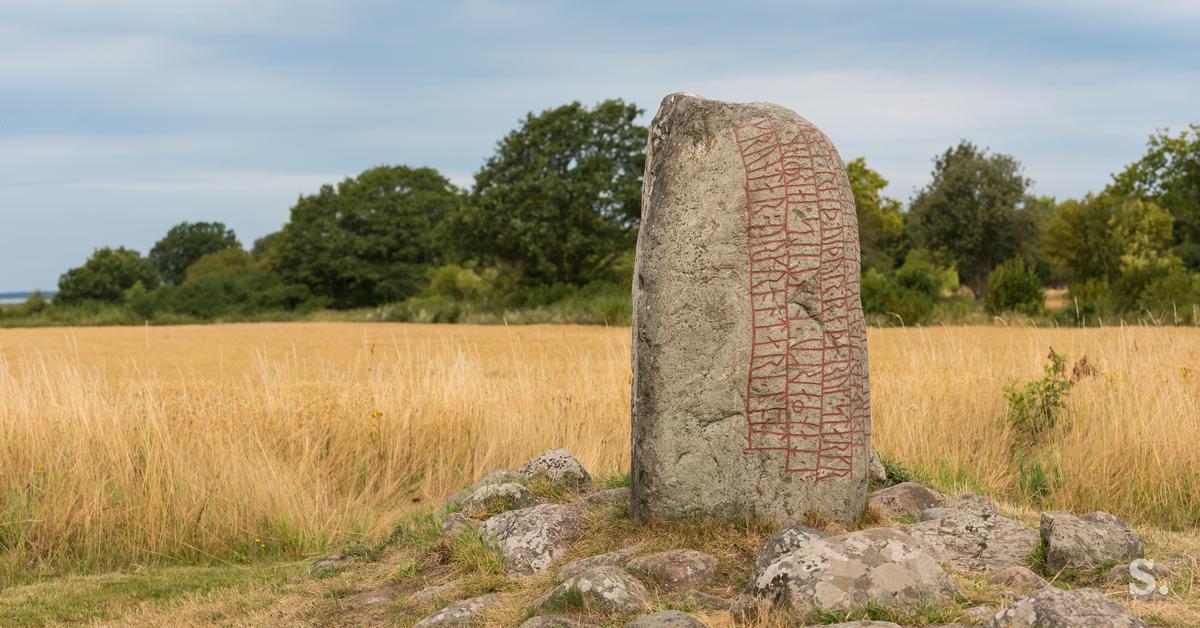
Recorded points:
(980, 613)
(1087, 541)
(677, 570)
(495, 498)
(749, 346)
(880, 565)
(602, 589)
(611, 496)
(1119, 574)
(456, 522)
(706, 601)
(1017, 576)
(436, 592)
(328, 561)
(1056, 608)
(905, 498)
(559, 467)
(783, 542)
(878, 472)
(932, 514)
(970, 502)
(469, 612)
(555, 621)
(611, 559)
(531, 539)
(499, 476)
(665, 619)
(971, 542)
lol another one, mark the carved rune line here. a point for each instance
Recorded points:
(806, 392)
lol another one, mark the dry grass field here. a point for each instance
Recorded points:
(212, 444)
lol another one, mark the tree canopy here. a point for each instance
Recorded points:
(105, 276)
(880, 219)
(187, 242)
(973, 212)
(560, 200)
(369, 240)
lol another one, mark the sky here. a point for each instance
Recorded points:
(121, 118)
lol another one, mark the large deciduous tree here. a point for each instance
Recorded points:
(1169, 176)
(973, 212)
(187, 242)
(105, 276)
(880, 221)
(370, 239)
(561, 198)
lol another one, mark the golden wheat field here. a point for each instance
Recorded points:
(124, 446)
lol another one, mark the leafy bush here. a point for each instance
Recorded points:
(912, 292)
(1013, 287)
(1035, 408)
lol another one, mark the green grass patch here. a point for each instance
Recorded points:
(86, 599)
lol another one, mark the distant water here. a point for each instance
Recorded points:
(10, 300)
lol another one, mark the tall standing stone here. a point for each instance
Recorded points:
(749, 345)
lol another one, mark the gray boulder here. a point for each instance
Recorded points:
(1087, 541)
(1056, 608)
(665, 619)
(932, 514)
(531, 539)
(883, 566)
(555, 621)
(783, 542)
(611, 559)
(499, 476)
(600, 589)
(1119, 574)
(560, 468)
(970, 502)
(603, 498)
(324, 563)
(749, 344)
(971, 542)
(1017, 576)
(905, 499)
(677, 570)
(469, 612)
(876, 471)
(457, 523)
(490, 499)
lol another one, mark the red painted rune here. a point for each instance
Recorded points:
(806, 393)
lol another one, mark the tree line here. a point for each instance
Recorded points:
(552, 217)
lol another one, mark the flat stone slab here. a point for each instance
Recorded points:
(609, 559)
(468, 612)
(750, 391)
(883, 566)
(972, 542)
(1081, 608)
(601, 589)
(677, 570)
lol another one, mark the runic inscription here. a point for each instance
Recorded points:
(806, 392)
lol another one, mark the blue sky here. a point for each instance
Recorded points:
(121, 118)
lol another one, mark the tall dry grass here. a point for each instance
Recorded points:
(123, 446)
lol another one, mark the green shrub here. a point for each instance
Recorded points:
(1013, 287)
(1034, 409)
